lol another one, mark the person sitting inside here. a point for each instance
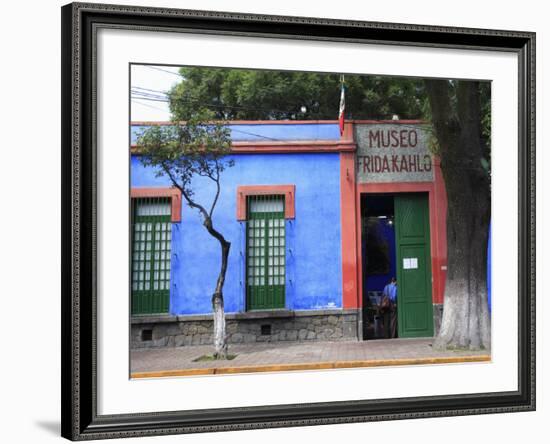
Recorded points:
(389, 309)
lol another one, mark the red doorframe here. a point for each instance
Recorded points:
(348, 213)
(437, 199)
(348, 210)
(350, 195)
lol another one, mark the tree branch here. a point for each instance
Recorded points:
(207, 219)
(184, 193)
(217, 181)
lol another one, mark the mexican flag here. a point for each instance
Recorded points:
(342, 108)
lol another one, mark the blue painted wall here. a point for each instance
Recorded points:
(489, 269)
(274, 132)
(314, 270)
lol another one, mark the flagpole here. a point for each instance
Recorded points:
(342, 105)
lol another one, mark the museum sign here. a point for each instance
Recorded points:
(393, 153)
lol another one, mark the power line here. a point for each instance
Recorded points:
(154, 95)
(148, 95)
(149, 92)
(232, 129)
(145, 96)
(156, 99)
(147, 89)
(163, 70)
(221, 106)
(257, 135)
(284, 140)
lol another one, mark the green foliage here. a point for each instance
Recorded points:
(280, 95)
(234, 94)
(196, 147)
(485, 94)
(485, 110)
(433, 143)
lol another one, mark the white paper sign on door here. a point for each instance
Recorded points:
(410, 263)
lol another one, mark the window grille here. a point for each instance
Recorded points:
(151, 245)
(265, 252)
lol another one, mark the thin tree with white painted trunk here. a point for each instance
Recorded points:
(184, 152)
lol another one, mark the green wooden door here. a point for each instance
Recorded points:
(414, 277)
(265, 260)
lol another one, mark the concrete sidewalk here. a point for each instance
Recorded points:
(286, 356)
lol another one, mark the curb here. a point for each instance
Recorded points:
(309, 366)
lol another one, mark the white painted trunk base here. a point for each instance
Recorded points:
(220, 339)
(466, 322)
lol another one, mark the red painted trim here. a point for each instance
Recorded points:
(313, 146)
(344, 144)
(173, 193)
(291, 146)
(349, 230)
(347, 136)
(437, 201)
(289, 191)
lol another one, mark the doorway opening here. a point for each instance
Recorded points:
(379, 258)
(395, 233)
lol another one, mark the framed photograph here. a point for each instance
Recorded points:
(278, 221)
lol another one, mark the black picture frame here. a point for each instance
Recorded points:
(80, 420)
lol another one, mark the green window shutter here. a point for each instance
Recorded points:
(265, 253)
(151, 245)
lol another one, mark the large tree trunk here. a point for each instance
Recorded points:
(466, 321)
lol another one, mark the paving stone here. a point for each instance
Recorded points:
(274, 353)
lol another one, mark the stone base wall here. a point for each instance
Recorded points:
(269, 326)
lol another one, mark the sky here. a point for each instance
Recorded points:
(148, 83)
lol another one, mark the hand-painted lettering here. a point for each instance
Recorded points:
(404, 138)
(408, 163)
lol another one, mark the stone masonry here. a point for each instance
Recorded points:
(249, 327)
